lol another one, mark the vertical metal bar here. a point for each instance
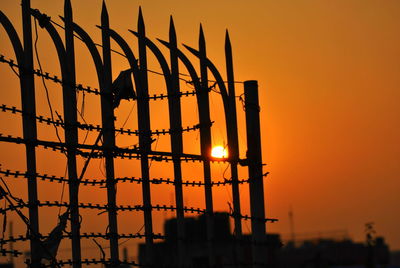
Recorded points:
(30, 130)
(176, 140)
(11, 244)
(255, 173)
(233, 143)
(145, 138)
(71, 133)
(205, 140)
(107, 114)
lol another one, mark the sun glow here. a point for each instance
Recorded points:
(219, 152)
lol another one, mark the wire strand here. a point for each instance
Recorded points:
(44, 83)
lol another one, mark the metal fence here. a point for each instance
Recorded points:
(111, 92)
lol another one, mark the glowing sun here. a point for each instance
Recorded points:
(219, 152)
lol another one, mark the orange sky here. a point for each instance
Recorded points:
(329, 78)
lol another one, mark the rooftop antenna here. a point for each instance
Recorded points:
(125, 254)
(291, 222)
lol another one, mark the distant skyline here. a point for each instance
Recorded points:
(329, 85)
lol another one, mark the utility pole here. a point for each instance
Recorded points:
(291, 222)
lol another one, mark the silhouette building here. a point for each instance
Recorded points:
(330, 253)
(227, 250)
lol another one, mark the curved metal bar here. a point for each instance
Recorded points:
(216, 74)
(230, 116)
(160, 57)
(58, 43)
(67, 66)
(188, 65)
(12, 34)
(93, 51)
(128, 53)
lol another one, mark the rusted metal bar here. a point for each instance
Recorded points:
(71, 133)
(30, 129)
(205, 140)
(145, 137)
(255, 173)
(176, 140)
(107, 114)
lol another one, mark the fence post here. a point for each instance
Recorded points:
(233, 147)
(71, 134)
(205, 140)
(107, 114)
(255, 173)
(176, 141)
(145, 138)
(30, 130)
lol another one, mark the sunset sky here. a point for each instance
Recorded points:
(329, 86)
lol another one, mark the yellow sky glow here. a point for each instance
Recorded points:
(219, 152)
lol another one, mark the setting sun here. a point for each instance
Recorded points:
(219, 152)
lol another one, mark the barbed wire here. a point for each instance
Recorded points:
(135, 153)
(130, 208)
(106, 207)
(133, 263)
(90, 262)
(102, 182)
(89, 89)
(91, 127)
(117, 152)
(15, 253)
(22, 238)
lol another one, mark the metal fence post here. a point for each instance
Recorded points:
(107, 114)
(233, 147)
(205, 140)
(255, 173)
(175, 114)
(71, 134)
(30, 130)
(145, 138)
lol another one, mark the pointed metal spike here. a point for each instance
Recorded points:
(165, 43)
(201, 34)
(172, 32)
(192, 50)
(229, 68)
(67, 8)
(134, 33)
(227, 41)
(104, 14)
(202, 41)
(141, 28)
(228, 55)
